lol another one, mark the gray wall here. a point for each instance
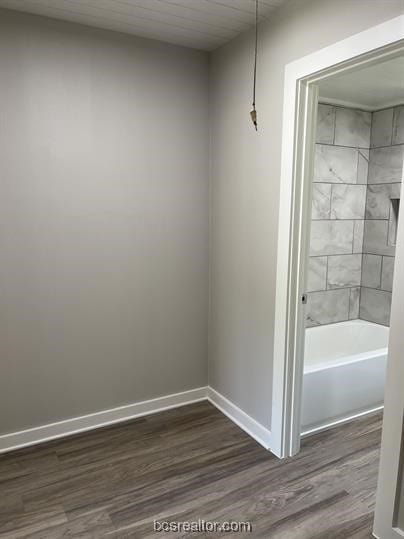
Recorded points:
(338, 212)
(384, 183)
(245, 168)
(103, 211)
(103, 220)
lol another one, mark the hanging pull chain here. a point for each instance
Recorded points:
(253, 113)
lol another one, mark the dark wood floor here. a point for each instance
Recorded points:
(186, 464)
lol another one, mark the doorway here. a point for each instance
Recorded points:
(306, 84)
(356, 187)
(304, 81)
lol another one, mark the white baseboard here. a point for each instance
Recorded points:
(75, 425)
(257, 431)
(67, 427)
(341, 421)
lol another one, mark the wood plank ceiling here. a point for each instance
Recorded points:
(200, 24)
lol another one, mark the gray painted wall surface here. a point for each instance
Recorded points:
(104, 202)
(245, 169)
(103, 220)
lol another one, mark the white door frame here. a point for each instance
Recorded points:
(370, 46)
(390, 487)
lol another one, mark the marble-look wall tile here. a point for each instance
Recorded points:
(382, 127)
(375, 306)
(371, 270)
(384, 184)
(354, 299)
(325, 124)
(375, 236)
(388, 273)
(344, 271)
(317, 274)
(352, 127)
(363, 166)
(351, 250)
(333, 164)
(321, 201)
(348, 201)
(331, 238)
(327, 307)
(398, 125)
(358, 236)
(386, 165)
(378, 200)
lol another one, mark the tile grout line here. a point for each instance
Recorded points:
(392, 125)
(381, 273)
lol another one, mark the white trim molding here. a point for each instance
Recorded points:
(104, 418)
(341, 421)
(75, 425)
(257, 431)
(379, 43)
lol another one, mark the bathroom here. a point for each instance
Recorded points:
(357, 176)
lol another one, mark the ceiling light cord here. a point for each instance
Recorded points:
(253, 113)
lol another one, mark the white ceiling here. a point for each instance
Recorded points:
(200, 24)
(372, 88)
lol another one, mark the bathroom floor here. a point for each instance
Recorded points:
(187, 464)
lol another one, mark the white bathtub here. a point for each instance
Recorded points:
(344, 372)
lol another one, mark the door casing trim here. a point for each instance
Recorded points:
(378, 43)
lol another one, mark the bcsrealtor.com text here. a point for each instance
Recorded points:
(205, 526)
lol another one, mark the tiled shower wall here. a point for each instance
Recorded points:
(383, 191)
(350, 265)
(338, 213)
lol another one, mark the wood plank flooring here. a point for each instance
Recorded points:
(188, 464)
